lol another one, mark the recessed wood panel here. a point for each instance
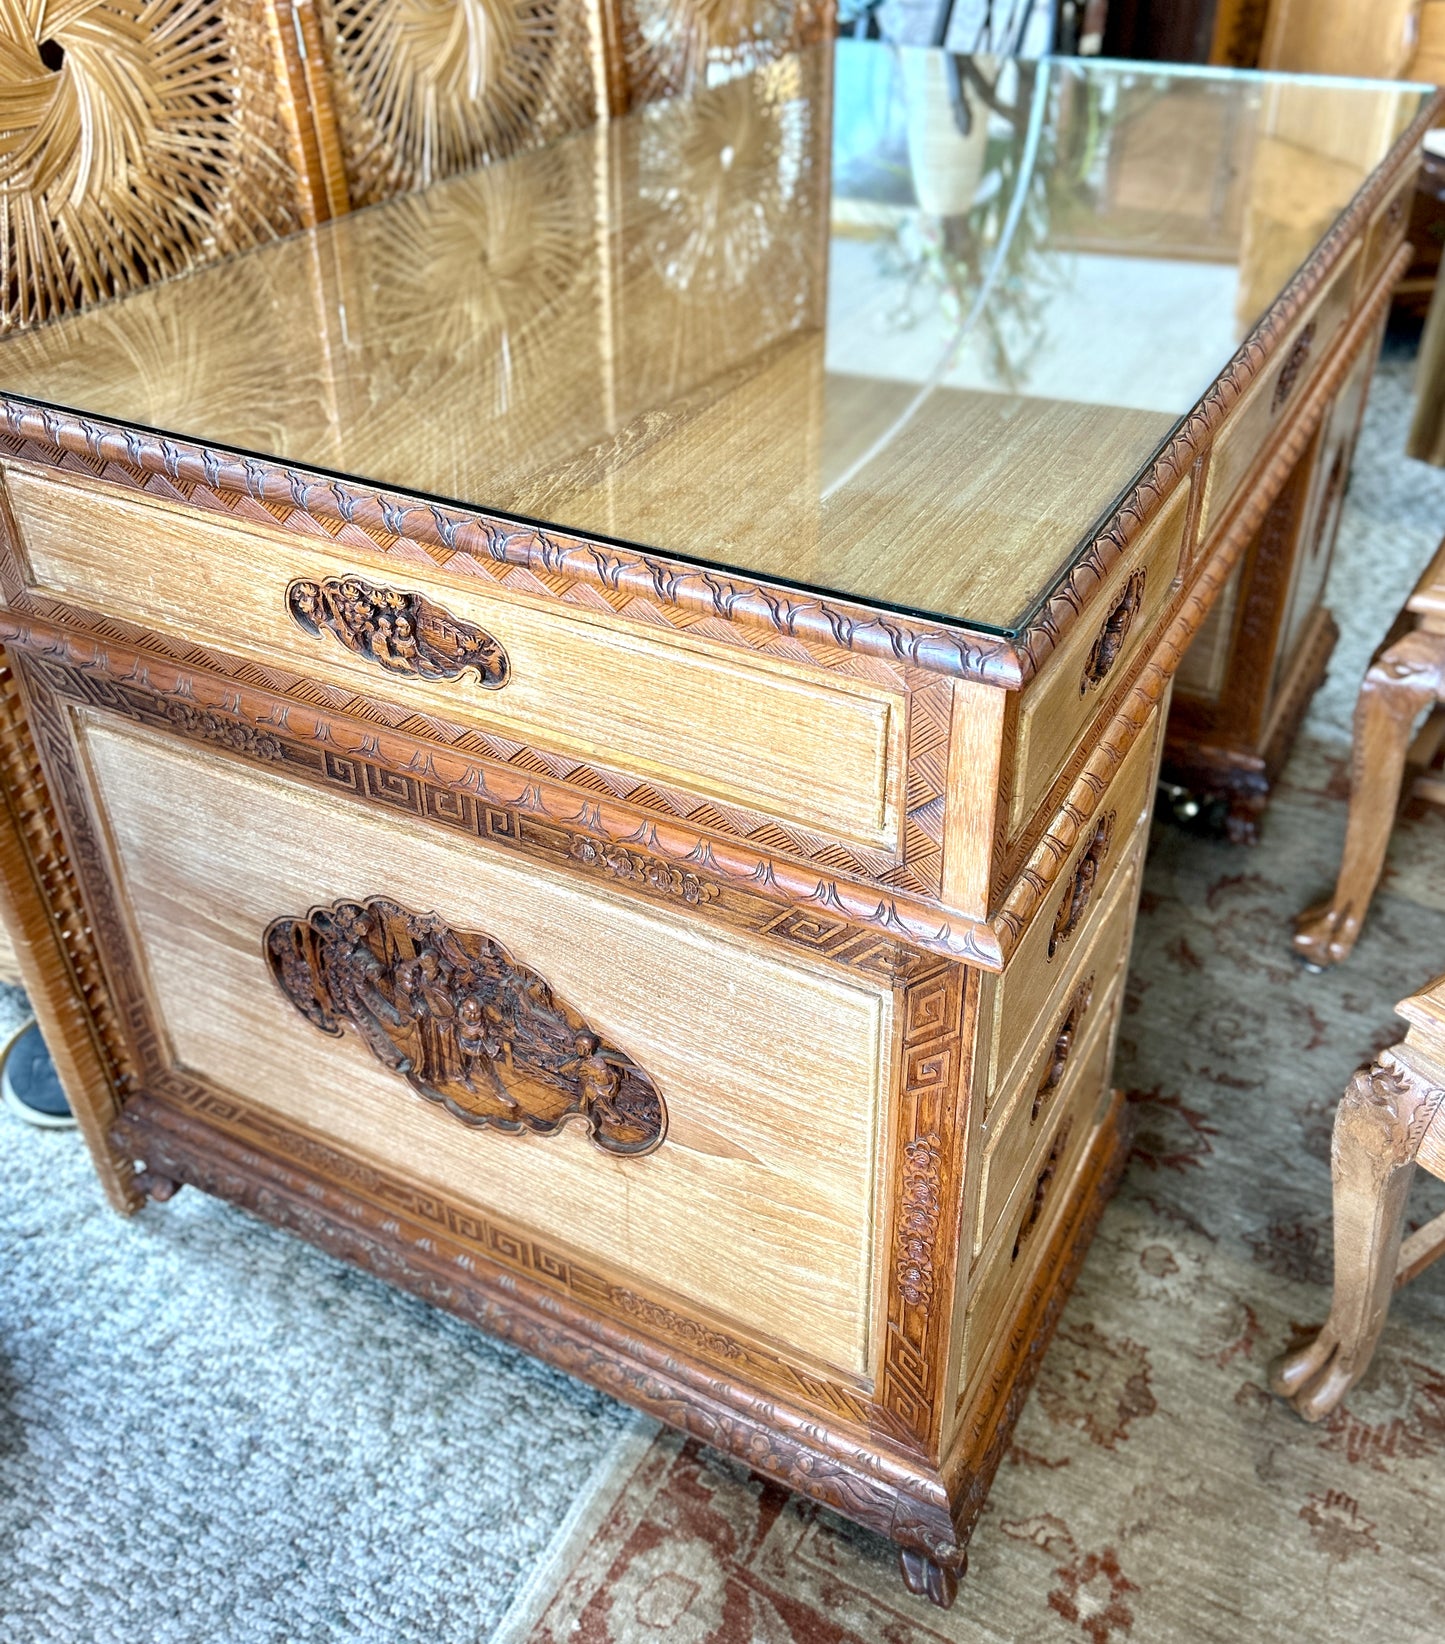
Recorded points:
(1063, 701)
(1048, 958)
(759, 1205)
(1284, 381)
(794, 743)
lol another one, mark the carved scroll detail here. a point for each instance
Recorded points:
(1109, 644)
(636, 868)
(401, 632)
(1294, 363)
(463, 1022)
(1080, 888)
(918, 1214)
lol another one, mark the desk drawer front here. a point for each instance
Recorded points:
(1075, 1050)
(1053, 952)
(1283, 383)
(762, 1081)
(787, 741)
(1042, 1198)
(1081, 675)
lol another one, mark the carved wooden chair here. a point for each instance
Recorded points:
(1406, 677)
(1391, 1118)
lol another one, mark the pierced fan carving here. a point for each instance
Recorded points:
(138, 138)
(426, 88)
(672, 46)
(463, 1022)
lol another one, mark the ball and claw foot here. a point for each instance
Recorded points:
(926, 1579)
(1315, 1377)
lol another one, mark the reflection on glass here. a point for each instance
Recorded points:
(883, 321)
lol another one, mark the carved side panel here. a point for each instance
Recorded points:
(427, 88)
(184, 93)
(672, 46)
(463, 1022)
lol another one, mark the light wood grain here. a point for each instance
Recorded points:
(812, 748)
(1018, 1134)
(1033, 983)
(636, 333)
(760, 1204)
(1056, 708)
(1002, 1276)
(1239, 443)
(1373, 39)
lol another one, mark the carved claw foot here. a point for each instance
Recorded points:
(1315, 1377)
(1325, 935)
(157, 1187)
(926, 1579)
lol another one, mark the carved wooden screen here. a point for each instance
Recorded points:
(672, 46)
(426, 88)
(139, 138)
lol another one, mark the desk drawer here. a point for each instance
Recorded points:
(688, 1111)
(1055, 948)
(1387, 230)
(789, 741)
(1120, 623)
(1042, 1197)
(1074, 1050)
(1284, 382)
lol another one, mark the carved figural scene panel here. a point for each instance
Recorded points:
(715, 1044)
(466, 1025)
(402, 632)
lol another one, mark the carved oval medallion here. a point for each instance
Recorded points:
(399, 631)
(463, 1022)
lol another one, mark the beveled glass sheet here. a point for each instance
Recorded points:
(878, 321)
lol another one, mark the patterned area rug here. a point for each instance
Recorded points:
(212, 1434)
(1155, 1491)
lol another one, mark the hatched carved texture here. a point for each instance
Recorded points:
(463, 1022)
(672, 46)
(138, 138)
(428, 88)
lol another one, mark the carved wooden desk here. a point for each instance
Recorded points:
(584, 739)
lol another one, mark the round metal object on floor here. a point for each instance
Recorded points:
(29, 1085)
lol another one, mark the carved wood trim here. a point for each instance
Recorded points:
(938, 1014)
(1080, 890)
(403, 633)
(463, 1022)
(513, 1289)
(854, 925)
(1113, 539)
(55, 946)
(986, 1431)
(1115, 631)
(1053, 848)
(915, 867)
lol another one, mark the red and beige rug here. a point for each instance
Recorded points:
(1155, 1490)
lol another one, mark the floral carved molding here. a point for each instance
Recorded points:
(463, 1022)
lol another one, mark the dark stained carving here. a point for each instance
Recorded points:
(636, 868)
(1294, 363)
(1110, 643)
(401, 632)
(1064, 1042)
(918, 1213)
(463, 1022)
(1045, 1180)
(1081, 887)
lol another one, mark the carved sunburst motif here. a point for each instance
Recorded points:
(137, 138)
(672, 46)
(426, 88)
(741, 149)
